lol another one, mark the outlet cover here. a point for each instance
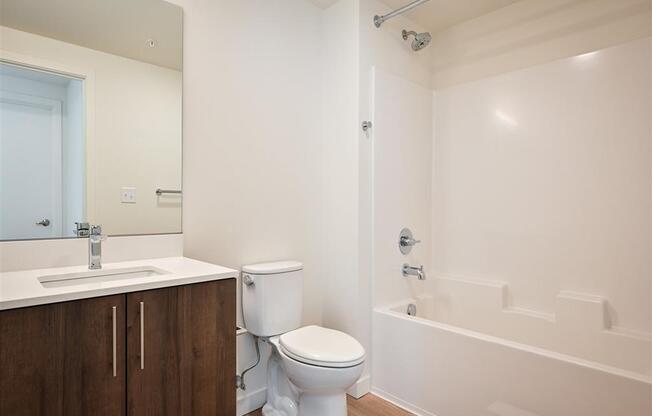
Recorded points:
(128, 195)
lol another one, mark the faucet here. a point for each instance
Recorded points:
(95, 239)
(408, 270)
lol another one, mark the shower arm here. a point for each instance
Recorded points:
(379, 20)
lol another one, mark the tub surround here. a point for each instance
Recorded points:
(23, 288)
(532, 198)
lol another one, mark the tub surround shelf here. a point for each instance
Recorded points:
(43, 286)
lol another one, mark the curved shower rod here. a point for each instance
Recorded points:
(379, 20)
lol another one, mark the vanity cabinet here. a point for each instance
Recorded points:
(159, 352)
(181, 350)
(58, 359)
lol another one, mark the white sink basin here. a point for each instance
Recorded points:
(99, 276)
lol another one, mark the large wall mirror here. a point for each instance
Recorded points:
(90, 117)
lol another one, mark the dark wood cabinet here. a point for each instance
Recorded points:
(58, 359)
(181, 357)
(86, 357)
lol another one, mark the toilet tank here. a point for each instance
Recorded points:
(272, 296)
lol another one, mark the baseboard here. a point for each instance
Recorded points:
(400, 403)
(254, 400)
(360, 388)
(251, 401)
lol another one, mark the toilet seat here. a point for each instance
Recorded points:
(323, 347)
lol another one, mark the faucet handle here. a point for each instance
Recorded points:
(95, 231)
(409, 241)
(81, 229)
(406, 241)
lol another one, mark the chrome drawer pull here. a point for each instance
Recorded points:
(115, 341)
(142, 335)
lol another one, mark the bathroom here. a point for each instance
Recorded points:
(195, 152)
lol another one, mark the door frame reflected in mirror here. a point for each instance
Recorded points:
(87, 78)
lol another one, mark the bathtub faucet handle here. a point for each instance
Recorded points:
(406, 241)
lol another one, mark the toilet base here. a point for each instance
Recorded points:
(309, 405)
(282, 397)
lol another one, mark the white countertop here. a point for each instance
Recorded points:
(22, 288)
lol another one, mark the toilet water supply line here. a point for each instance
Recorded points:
(240, 378)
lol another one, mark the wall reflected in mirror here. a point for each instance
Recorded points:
(90, 117)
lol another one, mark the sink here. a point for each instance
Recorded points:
(99, 276)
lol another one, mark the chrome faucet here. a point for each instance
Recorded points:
(408, 270)
(95, 239)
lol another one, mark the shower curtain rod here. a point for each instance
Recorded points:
(379, 20)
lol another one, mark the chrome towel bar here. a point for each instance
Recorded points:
(160, 191)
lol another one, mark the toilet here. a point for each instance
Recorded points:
(310, 367)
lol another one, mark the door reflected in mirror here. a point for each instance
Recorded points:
(42, 157)
(90, 117)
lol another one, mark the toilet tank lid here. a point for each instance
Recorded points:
(273, 268)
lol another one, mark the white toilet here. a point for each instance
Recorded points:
(310, 368)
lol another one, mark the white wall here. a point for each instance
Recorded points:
(136, 132)
(341, 291)
(253, 142)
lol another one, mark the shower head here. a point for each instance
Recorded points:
(421, 40)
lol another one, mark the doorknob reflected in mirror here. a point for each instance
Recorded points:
(44, 222)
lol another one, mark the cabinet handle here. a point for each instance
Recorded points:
(142, 335)
(115, 342)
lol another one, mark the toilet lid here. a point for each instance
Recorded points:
(324, 347)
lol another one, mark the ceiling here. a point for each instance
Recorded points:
(119, 27)
(437, 15)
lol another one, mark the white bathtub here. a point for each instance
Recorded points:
(432, 368)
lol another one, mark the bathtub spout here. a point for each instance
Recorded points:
(408, 270)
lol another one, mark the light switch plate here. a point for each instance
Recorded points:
(128, 195)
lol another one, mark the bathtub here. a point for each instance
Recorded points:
(431, 368)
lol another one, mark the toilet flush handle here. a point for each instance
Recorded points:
(247, 280)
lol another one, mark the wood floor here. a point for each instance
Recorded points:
(368, 405)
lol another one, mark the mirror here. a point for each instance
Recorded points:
(90, 117)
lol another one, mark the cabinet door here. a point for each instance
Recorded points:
(59, 359)
(181, 350)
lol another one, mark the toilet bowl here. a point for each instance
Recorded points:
(310, 367)
(319, 376)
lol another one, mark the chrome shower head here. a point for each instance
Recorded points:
(421, 40)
